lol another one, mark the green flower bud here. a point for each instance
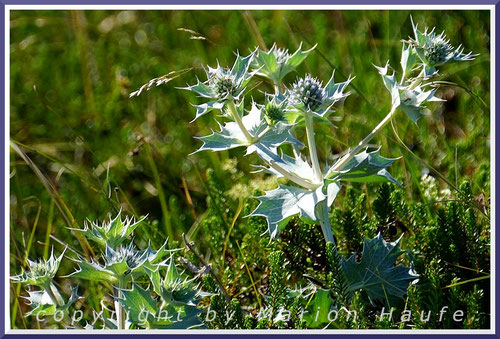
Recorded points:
(273, 113)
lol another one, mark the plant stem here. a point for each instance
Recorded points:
(52, 296)
(190, 245)
(417, 82)
(237, 118)
(120, 312)
(267, 129)
(324, 220)
(58, 301)
(312, 147)
(344, 160)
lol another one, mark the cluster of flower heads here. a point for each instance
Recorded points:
(306, 95)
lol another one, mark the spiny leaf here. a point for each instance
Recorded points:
(112, 233)
(93, 271)
(276, 63)
(206, 107)
(376, 272)
(365, 167)
(230, 135)
(138, 302)
(40, 301)
(286, 201)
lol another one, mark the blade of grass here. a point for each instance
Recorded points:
(226, 241)
(48, 231)
(196, 225)
(66, 167)
(161, 193)
(188, 195)
(58, 200)
(432, 169)
(18, 286)
(467, 281)
(16, 306)
(214, 202)
(249, 275)
(190, 245)
(252, 26)
(477, 99)
(33, 229)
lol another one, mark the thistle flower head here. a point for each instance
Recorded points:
(120, 262)
(273, 113)
(281, 55)
(125, 254)
(40, 272)
(308, 91)
(435, 50)
(223, 83)
(308, 95)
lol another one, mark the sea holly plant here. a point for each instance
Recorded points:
(314, 183)
(167, 300)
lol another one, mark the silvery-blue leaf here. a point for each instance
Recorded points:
(412, 101)
(335, 91)
(206, 107)
(332, 190)
(408, 58)
(295, 166)
(241, 65)
(413, 112)
(286, 201)
(201, 89)
(365, 167)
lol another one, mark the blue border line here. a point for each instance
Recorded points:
(220, 2)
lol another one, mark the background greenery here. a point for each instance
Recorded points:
(94, 150)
